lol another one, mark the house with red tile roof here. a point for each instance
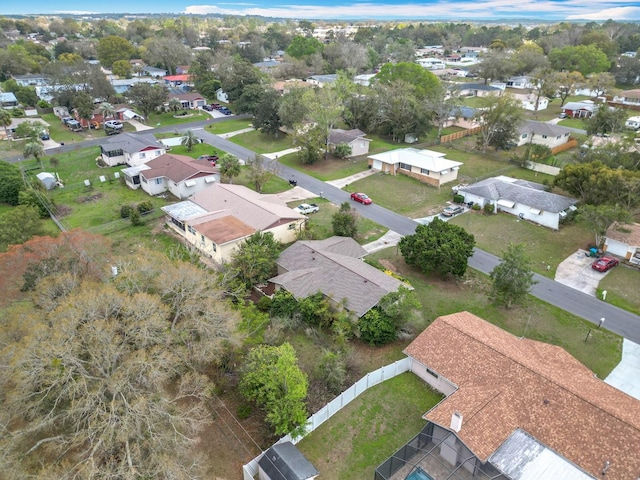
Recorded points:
(514, 409)
(181, 175)
(218, 218)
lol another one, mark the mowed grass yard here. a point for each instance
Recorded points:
(544, 247)
(623, 286)
(371, 428)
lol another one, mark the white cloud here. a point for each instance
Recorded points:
(482, 9)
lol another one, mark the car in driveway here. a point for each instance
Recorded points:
(115, 124)
(213, 159)
(604, 264)
(307, 208)
(452, 211)
(361, 197)
(44, 135)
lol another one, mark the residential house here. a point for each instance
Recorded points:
(364, 79)
(333, 266)
(623, 240)
(464, 117)
(177, 80)
(182, 69)
(531, 101)
(527, 200)
(8, 100)
(221, 96)
(520, 82)
(431, 63)
(15, 122)
(514, 409)
(267, 65)
(217, 219)
(633, 123)
(542, 133)
(129, 149)
(190, 100)
(477, 90)
(426, 166)
(628, 97)
(181, 175)
(153, 72)
(32, 80)
(354, 138)
(583, 109)
(124, 84)
(285, 86)
(284, 461)
(321, 80)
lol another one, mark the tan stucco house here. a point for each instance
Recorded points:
(217, 219)
(426, 166)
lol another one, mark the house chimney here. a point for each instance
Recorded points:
(456, 421)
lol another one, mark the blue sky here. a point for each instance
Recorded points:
(333, 9)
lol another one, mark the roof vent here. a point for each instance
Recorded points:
(456, 421)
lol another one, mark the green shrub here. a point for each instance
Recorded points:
(125, 211)
(43, 104)
(17, 112)
(135, 218)
(457, 198)
(144, 207)
(283, 304)
(376, 328)
(476, 207)
(244, 411)
(264, 304)
(489, 208)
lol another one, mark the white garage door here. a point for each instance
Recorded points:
(616, 248)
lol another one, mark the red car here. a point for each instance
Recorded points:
(361, 197)
(604, 264)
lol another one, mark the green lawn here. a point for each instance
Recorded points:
(330, 169)
(321, 227)
(352, 443)
(573, 123)
(232, 125)
(262, 143)
(167, 118)
(545, 247)
(538, 320)
(622, 285)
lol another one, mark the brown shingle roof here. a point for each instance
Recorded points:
(224, 229)
(177, 168)
(628, 234)
(505, 382)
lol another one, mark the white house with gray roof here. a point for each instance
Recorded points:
(354, 138)
(334, 267)
(129, 149)
(542, 133)
(527, 200)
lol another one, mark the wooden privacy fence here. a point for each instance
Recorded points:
(561, 148)
(250, 470)
(455, 136)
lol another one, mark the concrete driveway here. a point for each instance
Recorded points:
(294, 194)
(576, 272)
(626, 376)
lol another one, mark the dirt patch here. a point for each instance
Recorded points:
(89, 198)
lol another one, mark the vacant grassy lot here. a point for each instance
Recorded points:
(167, 118)
(361, 436)
(321, 227)
(623, 286)
(537, 320)
(330, 169)
(545, 247)
(229, 126)
(262, 143)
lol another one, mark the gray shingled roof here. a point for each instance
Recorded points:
(543, 128)
(339, 135)
(129, 143)
(284, 461)
(520, 191)
(334, 267)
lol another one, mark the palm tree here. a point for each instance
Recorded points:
(107, 110)
(229, 167)
(34, 149)
(175, 104)
(5, 120)
(189, 140)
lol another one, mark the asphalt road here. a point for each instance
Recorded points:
(573, 301)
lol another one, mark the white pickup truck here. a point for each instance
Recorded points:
(307, 208)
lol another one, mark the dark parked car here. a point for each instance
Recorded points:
(604, 264)
(213, 159)
(208, 108)
(361, 197)
(44, 135)
(452, 211)
(225, 110)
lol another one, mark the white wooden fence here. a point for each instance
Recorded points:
(542, 168)
(250, 470)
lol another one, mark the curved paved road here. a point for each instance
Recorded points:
(573, 301)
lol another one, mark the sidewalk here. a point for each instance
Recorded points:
(387, 240)
(139, 126)
(275, 155)
(237, 132)
(343, 182)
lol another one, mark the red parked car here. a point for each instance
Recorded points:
(361, 197)
(604, 264)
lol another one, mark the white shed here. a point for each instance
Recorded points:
(47, 179)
